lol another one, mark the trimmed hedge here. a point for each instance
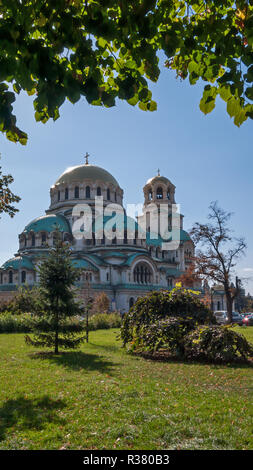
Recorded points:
(22, 323)
(104, 321)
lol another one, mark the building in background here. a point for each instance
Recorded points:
(125, 268)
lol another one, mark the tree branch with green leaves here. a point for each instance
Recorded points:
(107, 50)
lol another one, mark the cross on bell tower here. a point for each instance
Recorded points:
(86, 156)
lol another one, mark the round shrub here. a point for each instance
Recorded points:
(157, 305)
(216, 344)
(166, 334)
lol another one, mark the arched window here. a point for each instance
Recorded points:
(76, 192)
(108, 194)
(1, 278)
(159, 193)
(59, 195)
(131, 302)
(66, 193)
(168, 194)
(218, 305)
(87, 192)
(115, 196)
(10, 277)
(99, 191)
(150, 195)
(43, 238)
(142, 274)
(33, 240)
(23, 277)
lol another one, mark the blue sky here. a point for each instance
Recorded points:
(207, 157)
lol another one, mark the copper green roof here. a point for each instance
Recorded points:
(83, 264)
(80, 173)
(178, 235)
(48, 223)
(173, 272)
(17, 263)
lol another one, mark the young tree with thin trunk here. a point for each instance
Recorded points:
(56, 305)
(220, 252)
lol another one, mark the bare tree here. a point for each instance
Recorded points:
(220, 252)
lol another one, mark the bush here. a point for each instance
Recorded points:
(103, 321)
(24, 301)
(10, 323)
(25, 323)
(165, 334)
(158, 305)
(216, 344)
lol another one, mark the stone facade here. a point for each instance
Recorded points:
(127, 266)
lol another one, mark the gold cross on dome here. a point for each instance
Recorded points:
(158, 172)
(86, 156)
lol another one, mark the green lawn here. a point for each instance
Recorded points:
(102, 398)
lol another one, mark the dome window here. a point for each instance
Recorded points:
(168, 194)
(99, 191)
(43, 238)
(76, 192)
(108, 194)
(59, 195)
(23, 277)
(66, 193)
(87, 192)
(159, 193)
(150, 195)
(10, 277)
(33, 240)
(1, 278)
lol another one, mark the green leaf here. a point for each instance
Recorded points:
(207, 103)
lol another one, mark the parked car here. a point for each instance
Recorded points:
(222, 317)
(248, 319)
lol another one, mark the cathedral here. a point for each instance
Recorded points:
(126, 265)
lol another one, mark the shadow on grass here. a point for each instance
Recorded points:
(77, 360)
(109, 348)
(26, 413)
(240, 363)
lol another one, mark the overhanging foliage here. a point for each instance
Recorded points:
(107, 49)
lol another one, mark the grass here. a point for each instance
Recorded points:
(103, 398)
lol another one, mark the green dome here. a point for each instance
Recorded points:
(83, 172)
(48, 223)
(17, 263)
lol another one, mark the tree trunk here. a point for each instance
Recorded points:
(56, 343)
(229, 305)
(56, 351)
(87, 325)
